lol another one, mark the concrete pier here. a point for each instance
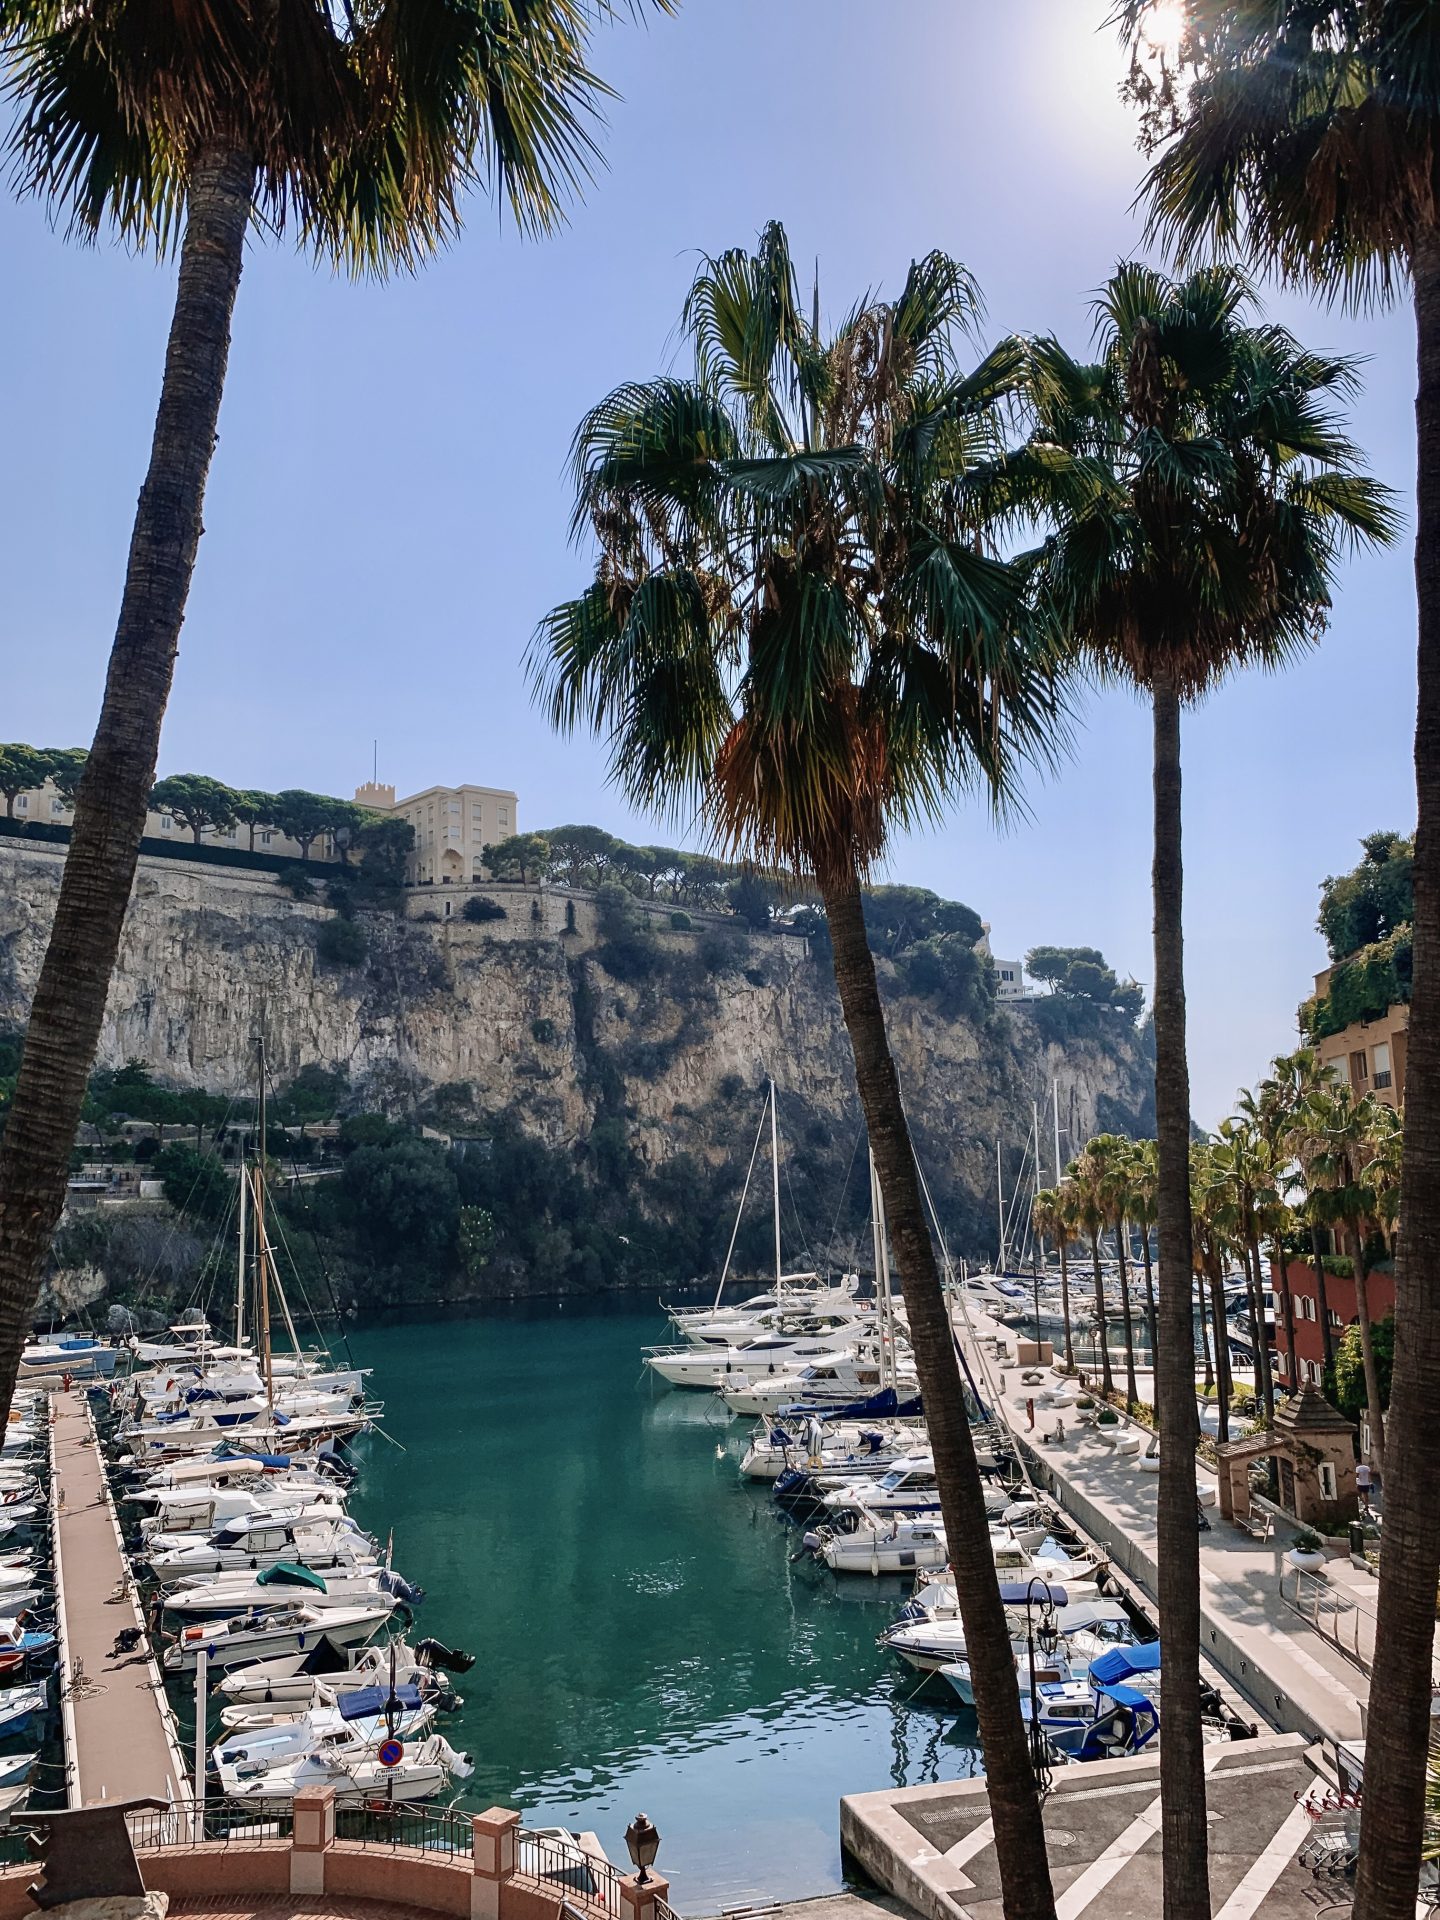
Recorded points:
(120, 1738)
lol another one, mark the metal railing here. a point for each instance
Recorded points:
(1329, 1613)
(447, 1831)
(553, 1857)
(229, 1822)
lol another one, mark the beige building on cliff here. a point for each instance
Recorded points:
(453, 826)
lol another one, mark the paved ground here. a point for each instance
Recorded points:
(1288, 1661)
(935, 1844)
(121, 1746)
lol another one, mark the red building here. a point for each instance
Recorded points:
(1309, 1337)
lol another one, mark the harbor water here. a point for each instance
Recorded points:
(644, 1640)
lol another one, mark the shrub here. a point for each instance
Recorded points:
(720, 953)
(342, 943)
(681, 922)
(542, 1031)
(731, 1086)
(755, 976)
(295, 880)
(479, 908)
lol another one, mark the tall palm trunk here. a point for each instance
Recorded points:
(1183, 1827)
(1014, 1799)
(1322, 1297)
(1150, 1312)
(1065, 1305)
(1367, 1356)
(1102, 1324)
(1392, 1819)
(1132, 1392)
(1255, 1287)
(115, 788)
(1280, 1262)
(1224, 1381)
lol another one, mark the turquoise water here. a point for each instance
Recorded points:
(644, 1641)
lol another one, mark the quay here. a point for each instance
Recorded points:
(120, 1738)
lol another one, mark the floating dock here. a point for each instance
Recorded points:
(120, 1738)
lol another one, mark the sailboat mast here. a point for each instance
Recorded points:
(1000, 1207)
(1055, 1096)
(244, 1211)
(775, 1179)
(882, 1278)
(262, 1242)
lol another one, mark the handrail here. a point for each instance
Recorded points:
(1313, 1589)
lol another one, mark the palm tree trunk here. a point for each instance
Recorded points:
(1132, 1392)
(1322, 1298)
(1184, 1830)
(1392, 1819)
(1014, 1799)
(1065, 1305)
(1224, 1382)
(1367, 1355)
(1280, 1261)
(1264, 1377)
(1150, 1313)
(1102, 1325)
(115, 787)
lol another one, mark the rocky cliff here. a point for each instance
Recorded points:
(527, 1018)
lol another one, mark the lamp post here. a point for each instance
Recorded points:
(1048, 1634)
(642, 1839)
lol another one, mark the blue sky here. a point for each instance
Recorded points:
(387, 511)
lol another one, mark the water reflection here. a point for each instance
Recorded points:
(644, 1637)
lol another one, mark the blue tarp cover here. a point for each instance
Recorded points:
(367, 1703)
(1128, 1696)
(1120, 1662)
(1015, 1594)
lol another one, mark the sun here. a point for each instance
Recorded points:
(1163, 28)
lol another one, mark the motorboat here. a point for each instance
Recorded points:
(297, 1632)
(19, 1705)
(359, 1720)
(841, 1448)
(928, 1641)
(80, 1355)
(756, 1358)
(424, 1771)
(260, 1541)
(222, 1594)
(19, 1643)
(181, 1515)
(831, 1380)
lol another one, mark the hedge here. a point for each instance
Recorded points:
(209, 856)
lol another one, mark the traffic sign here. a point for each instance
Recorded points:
(391, 1753)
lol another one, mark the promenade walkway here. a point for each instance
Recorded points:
(1294, 1675)
(119, 1738)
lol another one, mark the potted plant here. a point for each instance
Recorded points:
(1307, 1551)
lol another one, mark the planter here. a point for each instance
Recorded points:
(1305, 1561)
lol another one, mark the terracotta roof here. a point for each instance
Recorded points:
(1310, 1412)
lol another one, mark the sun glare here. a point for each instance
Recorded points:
(1164, 27)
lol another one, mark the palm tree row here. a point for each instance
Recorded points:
(1304, 137)
(801, 635)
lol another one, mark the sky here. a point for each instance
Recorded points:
(388, 510)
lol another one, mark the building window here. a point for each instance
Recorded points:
(1382, 1065)
(165, 823)
(57, 806)
(454, 806)
(1328, 1488)
(1335, 1319)
(1359, 1069)
(265, 837)
(22, 805)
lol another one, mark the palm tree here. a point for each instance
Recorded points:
(795, 634)
(1114, 1154)
(359, 128)
(1086, 1178)
(1295, 1078)
(1356, 1144)
(1143, 1180)
(1050, 1214)
(1201, 491)
(1309, 139)
(1241, 1168)
(1211, 1246)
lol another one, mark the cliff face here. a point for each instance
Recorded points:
(526, 1017)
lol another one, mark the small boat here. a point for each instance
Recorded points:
(20, 1643)
(266, 1634)
(19, 1704)
(357, 1778)
(256, 1542)
(360, 1720)
(222, 1594)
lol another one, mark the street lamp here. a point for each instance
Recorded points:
(1048, 1634)
(642, 1837)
